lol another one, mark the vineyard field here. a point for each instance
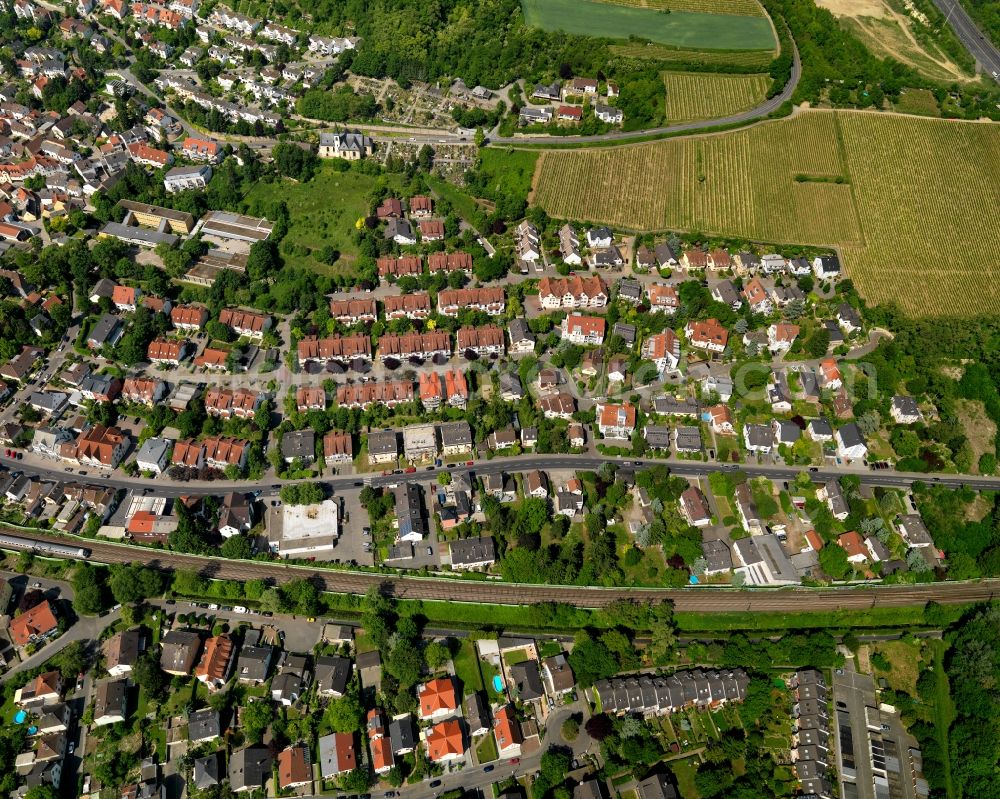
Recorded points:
(757, 60)
(911, 203)
(694, 29)
(702, 95)
(745, 8)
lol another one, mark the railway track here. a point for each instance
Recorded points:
(705, 600)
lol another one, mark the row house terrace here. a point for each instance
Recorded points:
(354, 311)
(225, 403)
(414, 345)
(310, 398)
(572, 292)
(189, 317)
(390, 266)
(485, 341)
(245, 323)
(488, 299)
(100, 446)
(450, 387)
(165, 351)
(450, 262)
(143, 390)
(216, 452)
(363, 395)
(408, 306)
(337, 447)
(334, 348)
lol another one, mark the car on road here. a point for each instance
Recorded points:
(37, 585)
(435, 784)
(358, 484)
(515, 761)
(411, 469)
(390, 794)
(430, 550)
(488, 769)
(71, 748)
(469, 463)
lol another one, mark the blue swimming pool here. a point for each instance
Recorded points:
(20, 716)
(497, 684)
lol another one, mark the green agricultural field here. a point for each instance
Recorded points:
(322, 214)
(686, 58)
(911, 230)
(701, 95)
(679, 28)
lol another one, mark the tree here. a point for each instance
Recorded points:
(256, 718)
(591, 660)
(436, 654)
(147, 672)
(72, 660)
(237, 547)
(88, 590)
(345, 714)
(134, 582)
(833, 561)
(301, 596)
(41, 791)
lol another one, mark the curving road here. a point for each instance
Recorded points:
(981, 48)
(758, 112)
(437, 588)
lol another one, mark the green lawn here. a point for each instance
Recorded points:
(464, 204)
(487, 749)
(858, 619)
(323, 212)
(684, 771)
(467, 667)
(943, 712)
(678, 28)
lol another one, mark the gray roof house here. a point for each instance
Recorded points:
(249, 768)
(402, 735)
(107, 330)
(527, 680)
(207, 771)
(657, 786)
(291, 680)
(332, 675)
(204, 725)
(254, 663)
(299, 444)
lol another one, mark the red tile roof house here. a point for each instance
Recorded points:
(569, 113)
(853, 544)
(294, 768)
(584, 329)
(437, 698)
(101, 446)
(391, 208)
(431, 230)
(125, 297)
(421, 206)
(445, 741)
(707, 335)
(34, 625)
(616, 421)
(201, 149)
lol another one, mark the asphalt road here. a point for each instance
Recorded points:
(437, 588)
(982, 49)
(521, 463)
(759, 112)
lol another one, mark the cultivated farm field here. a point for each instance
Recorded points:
(691, 29)
(701, 95)
(749, 8)
(916, 215)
